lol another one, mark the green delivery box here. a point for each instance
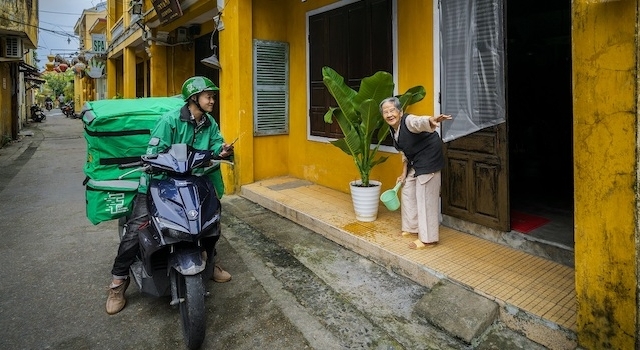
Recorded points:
(108, 200)
(117, 131)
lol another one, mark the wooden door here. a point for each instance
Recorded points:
(475, 181)
(475, 178)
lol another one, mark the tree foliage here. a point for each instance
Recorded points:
(56, 83)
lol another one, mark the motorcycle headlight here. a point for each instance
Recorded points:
(172, 230)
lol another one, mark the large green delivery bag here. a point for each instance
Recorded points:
(117, 131)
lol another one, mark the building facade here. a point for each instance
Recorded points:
(561, 77)
(18, 37)
(89, 67)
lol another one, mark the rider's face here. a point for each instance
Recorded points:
(207, 99)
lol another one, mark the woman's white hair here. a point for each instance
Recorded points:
(394, 100)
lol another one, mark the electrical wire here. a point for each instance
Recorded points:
(40, 28)
(62, 13)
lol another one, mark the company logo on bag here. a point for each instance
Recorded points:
(115, 203)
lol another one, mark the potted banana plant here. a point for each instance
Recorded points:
(359, 118)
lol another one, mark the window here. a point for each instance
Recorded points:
(271, 87)
(356, 40)
(473, 56)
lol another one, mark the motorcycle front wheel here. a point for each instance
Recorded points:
(191, 293)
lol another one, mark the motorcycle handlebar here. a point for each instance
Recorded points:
(218, 162)
(130, 165)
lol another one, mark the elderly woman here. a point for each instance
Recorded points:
(422, 161)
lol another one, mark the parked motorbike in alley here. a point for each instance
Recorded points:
(176, 255)
(37, 115)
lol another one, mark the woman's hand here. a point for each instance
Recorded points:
(435, 120)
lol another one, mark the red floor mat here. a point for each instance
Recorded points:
(525, 223)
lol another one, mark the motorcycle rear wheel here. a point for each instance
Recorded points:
(192, 310)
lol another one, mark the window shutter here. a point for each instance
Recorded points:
(271, 87)
(356, 40)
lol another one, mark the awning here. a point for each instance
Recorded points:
(27, 68)
(31, 75)
(35, 79)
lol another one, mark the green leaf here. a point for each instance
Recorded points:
(370, 113)
(358, 115)
(340, 91)
(413, 95)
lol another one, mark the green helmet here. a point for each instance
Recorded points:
(196, 85)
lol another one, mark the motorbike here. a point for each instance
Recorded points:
(37, 115)
(68, 109)
(176, 255)
(48, 105)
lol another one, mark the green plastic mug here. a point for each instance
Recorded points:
(390, 198)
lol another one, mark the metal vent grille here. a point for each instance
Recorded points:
(271, 87)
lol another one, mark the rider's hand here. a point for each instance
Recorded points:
(227, 151)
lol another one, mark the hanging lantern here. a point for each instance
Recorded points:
(51, 57)
(79, 68)
(49, 66)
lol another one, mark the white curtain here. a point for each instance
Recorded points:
(472, 65)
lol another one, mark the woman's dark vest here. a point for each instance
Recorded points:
(423, 150)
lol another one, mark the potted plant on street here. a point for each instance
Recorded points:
(359, 118)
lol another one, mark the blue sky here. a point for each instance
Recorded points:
(57, 19)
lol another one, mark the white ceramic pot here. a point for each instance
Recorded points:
(365, 200)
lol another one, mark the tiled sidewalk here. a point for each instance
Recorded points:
(540, 287)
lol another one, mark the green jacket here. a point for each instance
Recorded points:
(177, 126)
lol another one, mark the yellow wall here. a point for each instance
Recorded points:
(158, 61)
(20, 19)
(605, 142)
(84, 88)
(183, 62)
(78, 99)
(236, 107)
(119, 84)
(322, 162)
(268, 156)
(88, 20)
(271, 156)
